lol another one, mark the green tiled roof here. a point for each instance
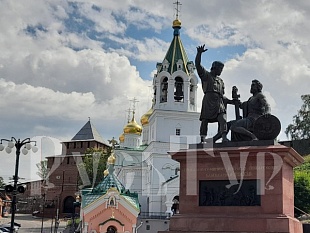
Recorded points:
(108, 182)
(176, 52)
(89, 198)
(132, 199)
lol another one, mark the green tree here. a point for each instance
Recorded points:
(2, 184)
(300, 129)
(43, 170)
(94, 162)
(302, 187)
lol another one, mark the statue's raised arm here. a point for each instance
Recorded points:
(213, 106)
(200, 49)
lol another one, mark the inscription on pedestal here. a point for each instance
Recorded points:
(216, 193)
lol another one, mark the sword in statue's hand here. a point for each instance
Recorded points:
(235, 96)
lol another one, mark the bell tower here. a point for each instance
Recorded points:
(174, 108)
(175, 84)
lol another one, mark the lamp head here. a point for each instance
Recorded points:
(8, 149)
(11, 144)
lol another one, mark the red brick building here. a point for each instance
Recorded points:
(64, 175)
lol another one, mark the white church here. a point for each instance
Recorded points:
(142, 162)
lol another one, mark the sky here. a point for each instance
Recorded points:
(63, 62)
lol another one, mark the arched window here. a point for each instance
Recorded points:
(178, 89)
(68, 204)
(191, 93)
(111, 229)
(164, 90)
(112, 202)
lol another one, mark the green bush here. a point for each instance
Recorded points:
(302, 187)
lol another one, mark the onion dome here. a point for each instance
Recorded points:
(121, 138)
(133, 127)
(176, 23)
(111, 159)
(106, 172)
(145, 118)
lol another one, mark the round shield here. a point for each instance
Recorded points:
(267, 127)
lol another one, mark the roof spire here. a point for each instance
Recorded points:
(176, 25)
(177, 9)
(134, 101)
(128, 117)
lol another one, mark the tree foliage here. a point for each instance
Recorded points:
(94, 162)
(42, 169)
(302, 187)
(300, 128)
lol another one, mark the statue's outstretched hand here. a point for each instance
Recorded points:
(201, 49)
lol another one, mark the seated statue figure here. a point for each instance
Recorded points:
(256, 106)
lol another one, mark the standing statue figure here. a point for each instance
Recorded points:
(256, 106)
(213, 104)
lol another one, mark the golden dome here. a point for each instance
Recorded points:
(121, 138)
(145, 118)
(176, 23)
(133, 127)
(111, 159)
(106, 172)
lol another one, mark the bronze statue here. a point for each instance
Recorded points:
(255, 107)
(213, 103)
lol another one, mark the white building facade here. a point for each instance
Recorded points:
(171, 123)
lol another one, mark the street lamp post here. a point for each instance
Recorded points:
(18, 145)
(43, 208)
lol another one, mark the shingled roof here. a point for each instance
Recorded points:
(88, 132)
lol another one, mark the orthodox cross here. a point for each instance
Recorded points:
(177, 9)
(128, 117)
(134, 101)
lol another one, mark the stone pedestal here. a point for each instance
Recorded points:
(236, 189)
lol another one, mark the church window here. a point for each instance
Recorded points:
(112, 202)
(164, 90)
(178, 89)
(178, 132)
(180, 64)
(191, 93)
(148, 227)
(74, 145)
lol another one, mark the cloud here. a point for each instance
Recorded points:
(62, 62)
(147, 49)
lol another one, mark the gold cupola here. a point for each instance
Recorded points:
(111, 159)
(176, 23)
(121, 138)
(106, 172)
(133, 127)
(145, 118)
